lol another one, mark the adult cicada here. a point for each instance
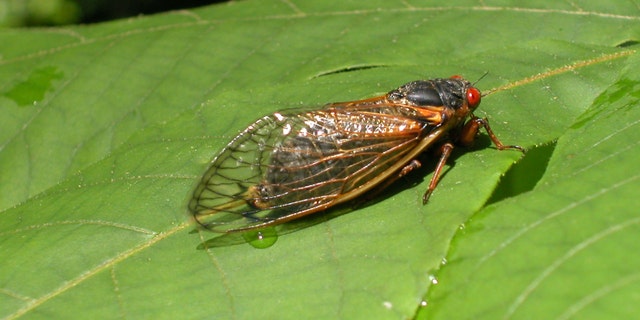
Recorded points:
(296, 162)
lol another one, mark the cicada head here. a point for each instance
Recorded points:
(472, 94)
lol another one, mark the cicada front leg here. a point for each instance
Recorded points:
(470, 131)
(466, 136)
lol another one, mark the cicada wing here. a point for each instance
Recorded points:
(291, 164)
(221, 202)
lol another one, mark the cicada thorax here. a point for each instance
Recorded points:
(295, 162)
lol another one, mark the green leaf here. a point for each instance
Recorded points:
(99, 158)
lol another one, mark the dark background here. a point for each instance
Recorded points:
(26, 13)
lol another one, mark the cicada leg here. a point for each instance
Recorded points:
(470, 131)
(413, 165)
(466, 137)
(445, 152)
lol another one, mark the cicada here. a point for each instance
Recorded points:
(292, 163)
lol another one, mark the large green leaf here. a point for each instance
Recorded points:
(107, 128)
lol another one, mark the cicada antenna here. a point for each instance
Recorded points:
(481, 77)
(484, 94)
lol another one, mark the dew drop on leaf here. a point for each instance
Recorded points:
(261, 239)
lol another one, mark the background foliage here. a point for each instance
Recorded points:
(16, 13)
(107, 128)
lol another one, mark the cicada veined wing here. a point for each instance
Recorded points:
(293, 163)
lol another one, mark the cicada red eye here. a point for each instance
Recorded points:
(473, 97)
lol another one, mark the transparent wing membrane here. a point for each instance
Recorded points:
(290, 164)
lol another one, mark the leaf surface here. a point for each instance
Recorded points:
(107, 128)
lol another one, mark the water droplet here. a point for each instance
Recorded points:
(261, 239)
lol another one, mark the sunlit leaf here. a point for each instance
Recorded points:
(98, 160)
